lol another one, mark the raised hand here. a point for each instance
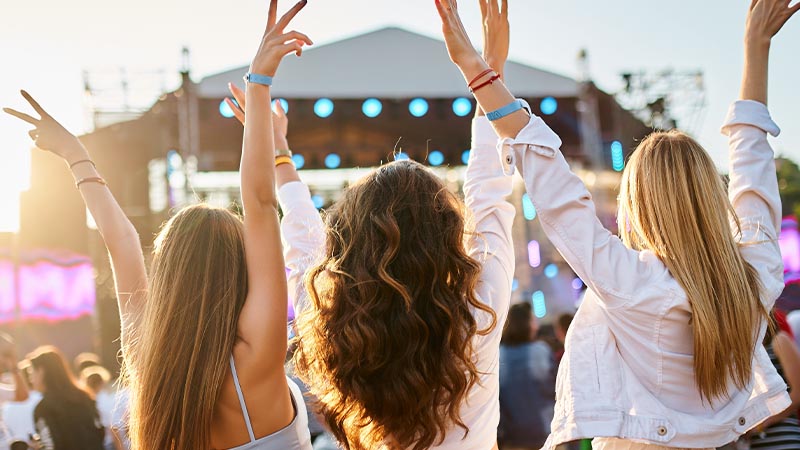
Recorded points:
(459, 47)
(766, 18)
(276, 43)
(280, 121)
(496, 33)
(50, 135)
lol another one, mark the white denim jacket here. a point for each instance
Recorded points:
(628, 367)
(485, 188)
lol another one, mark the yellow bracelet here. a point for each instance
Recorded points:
(283, 159)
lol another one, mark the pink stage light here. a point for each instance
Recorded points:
(47, 291)
(790, 245)
(534, 254)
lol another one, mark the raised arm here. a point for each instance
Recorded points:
(262, 323)
(302, 230)
(753, 187)
(121, 238)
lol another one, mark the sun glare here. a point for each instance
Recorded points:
(14, 176)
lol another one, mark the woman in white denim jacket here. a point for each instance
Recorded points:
(629, 375)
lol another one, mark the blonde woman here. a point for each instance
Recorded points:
(204, 338)
(666, 350)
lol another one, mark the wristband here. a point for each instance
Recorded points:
(257, 79)
(480, 75)
(485, 83)
(90, 180)
(511, 108)
(72, 166)
(283, 159)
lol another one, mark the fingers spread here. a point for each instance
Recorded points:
(273, 14)
(237, 112)
(238, 94)
(34, 135)
(22, 116)
(294, 46)
(290, 15)
(294, 35)
(505, 8)
(483, 5)
(33, 103)
(493, 8)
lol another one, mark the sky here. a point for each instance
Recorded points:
(45, 46)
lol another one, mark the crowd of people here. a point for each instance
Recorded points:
(405, 335)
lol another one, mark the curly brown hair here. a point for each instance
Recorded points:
(386, 345)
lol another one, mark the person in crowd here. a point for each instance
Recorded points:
(96, 380)
(12, 394)
(85, 360)
(665, 350)
(781, 431)
(793, 319)
(18, 416)
(400, 317)
(204, 338)
(527, 383)
(66, 418)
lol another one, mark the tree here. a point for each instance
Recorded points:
(789, 186)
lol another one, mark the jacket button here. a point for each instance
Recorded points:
(662, 431)
(742, 421)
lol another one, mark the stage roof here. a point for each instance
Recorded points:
(387, 63)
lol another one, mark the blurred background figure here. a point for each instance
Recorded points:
(66, 418)
(561, 327)
(527, 383)
(97, 379)
(782, 431)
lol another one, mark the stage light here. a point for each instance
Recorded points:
(465, 157)
(528, 210)
(400, 156)
(418, 107)
(549, 106)
(539, 305)
(435, 158)
(551, 271)
(617, 156)
(534, 254)
(372, 107)
(514, 285)
(332, 161)
(323, 107)
(577, 284)
(284, 104)
(298, 161)
(225, 109)
(462, 106)
(318, 201)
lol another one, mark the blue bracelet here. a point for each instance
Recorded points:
(511, 108)
(257, 79)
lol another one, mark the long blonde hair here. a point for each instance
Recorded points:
(178, 356)
(674, 203)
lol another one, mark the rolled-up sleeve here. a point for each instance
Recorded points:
(753, 191)
(303, 235)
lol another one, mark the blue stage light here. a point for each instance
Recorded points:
(225, 109)
(617, 156)
(462, 107)
(332, 161)
(318, 201)
(372, 107)
(551, 271)
(418, 107)
(528, 210)
(284, 104)
(514, 285)
(435, 158)
(323, 107)
(539, 305)
(549, 106)
(298, 160)
(577, 284)
(400, 156)
(465, 157)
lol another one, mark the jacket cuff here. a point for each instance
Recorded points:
(752, 113)
(292, 193)
(536, 136)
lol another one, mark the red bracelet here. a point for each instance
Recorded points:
(488, 82)
(482, 74)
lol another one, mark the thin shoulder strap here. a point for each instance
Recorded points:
(241, 401)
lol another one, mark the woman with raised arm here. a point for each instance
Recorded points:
(666, 349)
(400, 314)
(204, 338)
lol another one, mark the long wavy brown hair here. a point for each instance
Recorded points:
(177, 359)
(386, 345)
(676, 206)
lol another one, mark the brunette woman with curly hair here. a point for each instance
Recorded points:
(400, 303)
